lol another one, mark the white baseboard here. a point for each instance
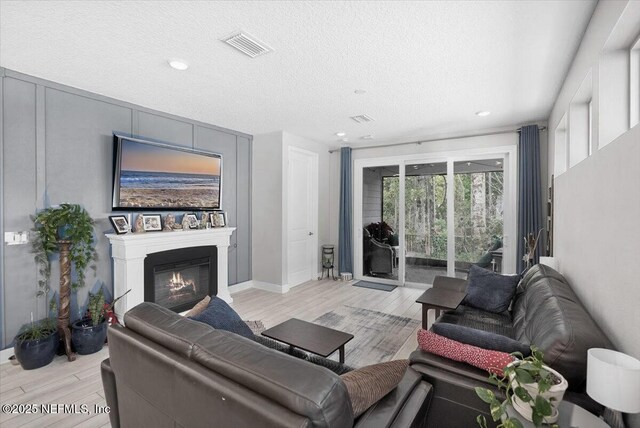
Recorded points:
(260, 285)
(267, 286)
(5, 354)
(236, 288)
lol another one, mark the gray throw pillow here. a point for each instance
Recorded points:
(481, 339)
(490, 291)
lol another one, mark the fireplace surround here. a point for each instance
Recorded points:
(129, 252)
(178, 279)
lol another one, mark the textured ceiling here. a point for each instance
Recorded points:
(427, 67)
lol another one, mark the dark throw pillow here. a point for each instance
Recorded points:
(490, 291)
(479, 338)
(369, 384)
(218, 314)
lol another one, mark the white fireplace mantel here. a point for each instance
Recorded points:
(129, 251)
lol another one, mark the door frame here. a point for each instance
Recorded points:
(315, 202)
(510, 162)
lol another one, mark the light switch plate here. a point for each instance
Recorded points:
(16, 238)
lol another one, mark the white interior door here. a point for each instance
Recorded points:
(302, 216)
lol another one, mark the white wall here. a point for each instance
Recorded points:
(597, 201)
(267, 250)
(269, 193)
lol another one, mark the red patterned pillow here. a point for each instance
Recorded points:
(491, 361)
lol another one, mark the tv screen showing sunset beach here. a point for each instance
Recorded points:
(159, 177)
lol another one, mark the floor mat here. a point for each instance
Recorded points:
(374, 286)
(377, 336)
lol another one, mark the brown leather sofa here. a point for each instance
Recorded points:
(545, 312)
(165, 370)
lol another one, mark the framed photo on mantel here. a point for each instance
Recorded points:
(120, 224)
(218, 219)
(152, 222)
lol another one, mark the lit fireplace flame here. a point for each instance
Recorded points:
(179, 285)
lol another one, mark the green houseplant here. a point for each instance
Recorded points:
(89, 333)
(68, 230)
(36, 344)
(531, 388)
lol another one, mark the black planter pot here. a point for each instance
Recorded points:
(86, 338)
(33, 354)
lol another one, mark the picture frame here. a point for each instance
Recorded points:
(193, 220)
(120, 224)
(218, 219)
(152, 222)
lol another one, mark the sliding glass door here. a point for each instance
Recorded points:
(425, 221)
(420, 218)
(479, 214)
(380, 223)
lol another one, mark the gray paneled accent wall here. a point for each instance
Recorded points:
(57, 146)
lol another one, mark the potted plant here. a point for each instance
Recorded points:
(36, 344)
(89, 334)
(67, 229)
(532, 388)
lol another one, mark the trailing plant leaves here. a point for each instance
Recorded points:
(512, 423)
(543, 406)
(522, 394)
(78, 228)
(496, 410)
(485, 394)
(536, 418)
(482, 421)
(524, 376)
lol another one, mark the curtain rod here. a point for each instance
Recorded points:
(438, 139)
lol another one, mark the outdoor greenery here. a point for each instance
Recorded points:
(478, 213)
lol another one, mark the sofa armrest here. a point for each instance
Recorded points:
(405, 406)
(110, 392)
(453, 284)
(454, 402)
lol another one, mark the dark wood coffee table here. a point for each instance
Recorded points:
(439, 299)
(309, 337)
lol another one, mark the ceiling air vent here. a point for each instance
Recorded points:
(362, 118)
(247, 44)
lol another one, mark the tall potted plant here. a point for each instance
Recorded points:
(66, 229)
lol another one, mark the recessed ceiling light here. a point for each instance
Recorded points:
(468, 163)
(415, 167)
(359, 91)
(483, 113)
(178, 65)
(340, 134)
(345, 139)
(367, 137)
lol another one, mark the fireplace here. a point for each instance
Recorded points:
(178, 279)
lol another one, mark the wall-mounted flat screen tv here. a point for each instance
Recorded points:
(155, 176)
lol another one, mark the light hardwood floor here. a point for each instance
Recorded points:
(79, 382)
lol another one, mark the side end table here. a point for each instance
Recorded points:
(439, 299)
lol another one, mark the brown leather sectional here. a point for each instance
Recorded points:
(165, 370)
